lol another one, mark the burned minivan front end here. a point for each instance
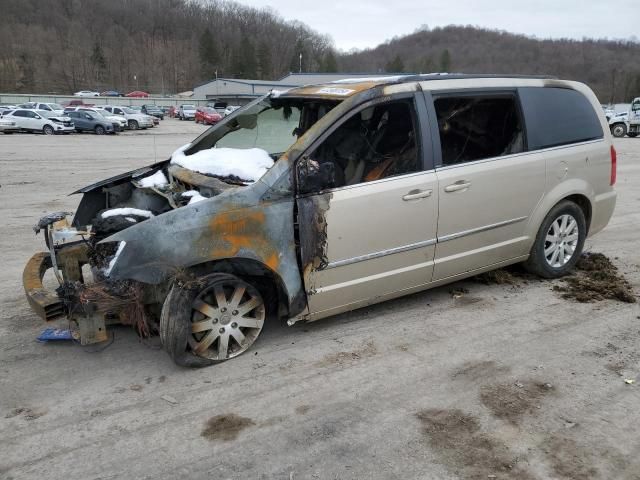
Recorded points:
(219, 212)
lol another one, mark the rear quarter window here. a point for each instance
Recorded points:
(558, 116)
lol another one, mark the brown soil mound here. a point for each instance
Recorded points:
(595, 279)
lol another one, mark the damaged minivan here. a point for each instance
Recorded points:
(326, 198)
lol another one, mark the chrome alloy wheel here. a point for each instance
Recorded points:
(226, 320)
(561, 241)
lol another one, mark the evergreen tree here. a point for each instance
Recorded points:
(445, 61)
(329, 63)
(264, 61)
(208, 54)
(98, 62)
(395, 66)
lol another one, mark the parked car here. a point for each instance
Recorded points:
(77, 103)
(7, 107)
(618, 124)
(152, 110)
(137, 94)
(118, 121)
(230, 109)
(111, 93)
(8, 126)
(54, 108)
(404, 184)
(173, 111)
(207, 116)
(135, 120)
(85, 121)
(86, 93)
(39, 121)
(187, 112)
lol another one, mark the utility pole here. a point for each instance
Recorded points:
(217, 85)
(300, 62)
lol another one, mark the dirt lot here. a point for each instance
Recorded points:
(492, 381)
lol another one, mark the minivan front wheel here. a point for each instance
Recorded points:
(216, 318)
(133, 125)
(48, 130)
(559, 241)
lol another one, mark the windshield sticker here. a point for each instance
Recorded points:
(335, 91)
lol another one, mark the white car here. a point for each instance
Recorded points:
(230, 109)
(86, 93)
(8, 126)
(187, 112)
(118, 120)
(135, 120)
(54, 108)
(40, 121)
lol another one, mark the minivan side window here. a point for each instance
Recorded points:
(558, 116)
(477, 127)
(375, 143)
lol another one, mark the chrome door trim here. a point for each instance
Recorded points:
(484, 228)
(381, 253)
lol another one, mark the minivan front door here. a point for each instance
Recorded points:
(488, 184)
(372, 235)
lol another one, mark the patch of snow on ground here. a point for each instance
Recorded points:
(245, 163)
(156, 180)
(126, 211)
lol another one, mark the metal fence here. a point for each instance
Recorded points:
(17, 99)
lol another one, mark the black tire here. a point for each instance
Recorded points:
(618, 130)
(133, 125)
(48, 130)
(99, 130)
(176, 318)
(632, 135)
(538, 263)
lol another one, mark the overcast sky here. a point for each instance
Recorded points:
(361, 24)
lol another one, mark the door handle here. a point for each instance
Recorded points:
(459, 185)
(416, 194)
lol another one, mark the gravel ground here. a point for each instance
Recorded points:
(494, 381)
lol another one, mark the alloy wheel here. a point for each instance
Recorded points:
(561, 241)
(226, 319)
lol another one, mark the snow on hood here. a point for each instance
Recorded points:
(126, 211)
(245, 163)
(156, 180)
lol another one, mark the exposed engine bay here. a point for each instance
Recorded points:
(226, 158)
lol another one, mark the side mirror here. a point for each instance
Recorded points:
(37, 117)
(314, 176)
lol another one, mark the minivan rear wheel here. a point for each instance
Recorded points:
(559, 241)
(216, 318)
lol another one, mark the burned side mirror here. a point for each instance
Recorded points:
(314, 176)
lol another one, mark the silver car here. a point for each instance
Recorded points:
(327, 198)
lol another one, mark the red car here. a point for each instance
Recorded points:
(137, 94)
(207, 116)
(173, 111)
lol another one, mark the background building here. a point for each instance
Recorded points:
(238, 91)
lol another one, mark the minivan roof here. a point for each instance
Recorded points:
(341, 89)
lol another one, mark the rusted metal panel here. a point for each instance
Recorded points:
(46, 304)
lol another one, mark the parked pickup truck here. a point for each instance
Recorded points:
(135, 120)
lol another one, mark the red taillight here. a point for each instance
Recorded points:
(614, 166)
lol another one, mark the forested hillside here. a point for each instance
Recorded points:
(611, 68)
(167, 45)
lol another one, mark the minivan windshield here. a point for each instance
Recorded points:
(271, 124)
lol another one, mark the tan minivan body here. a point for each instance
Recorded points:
(387, 186)
(380, 246)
